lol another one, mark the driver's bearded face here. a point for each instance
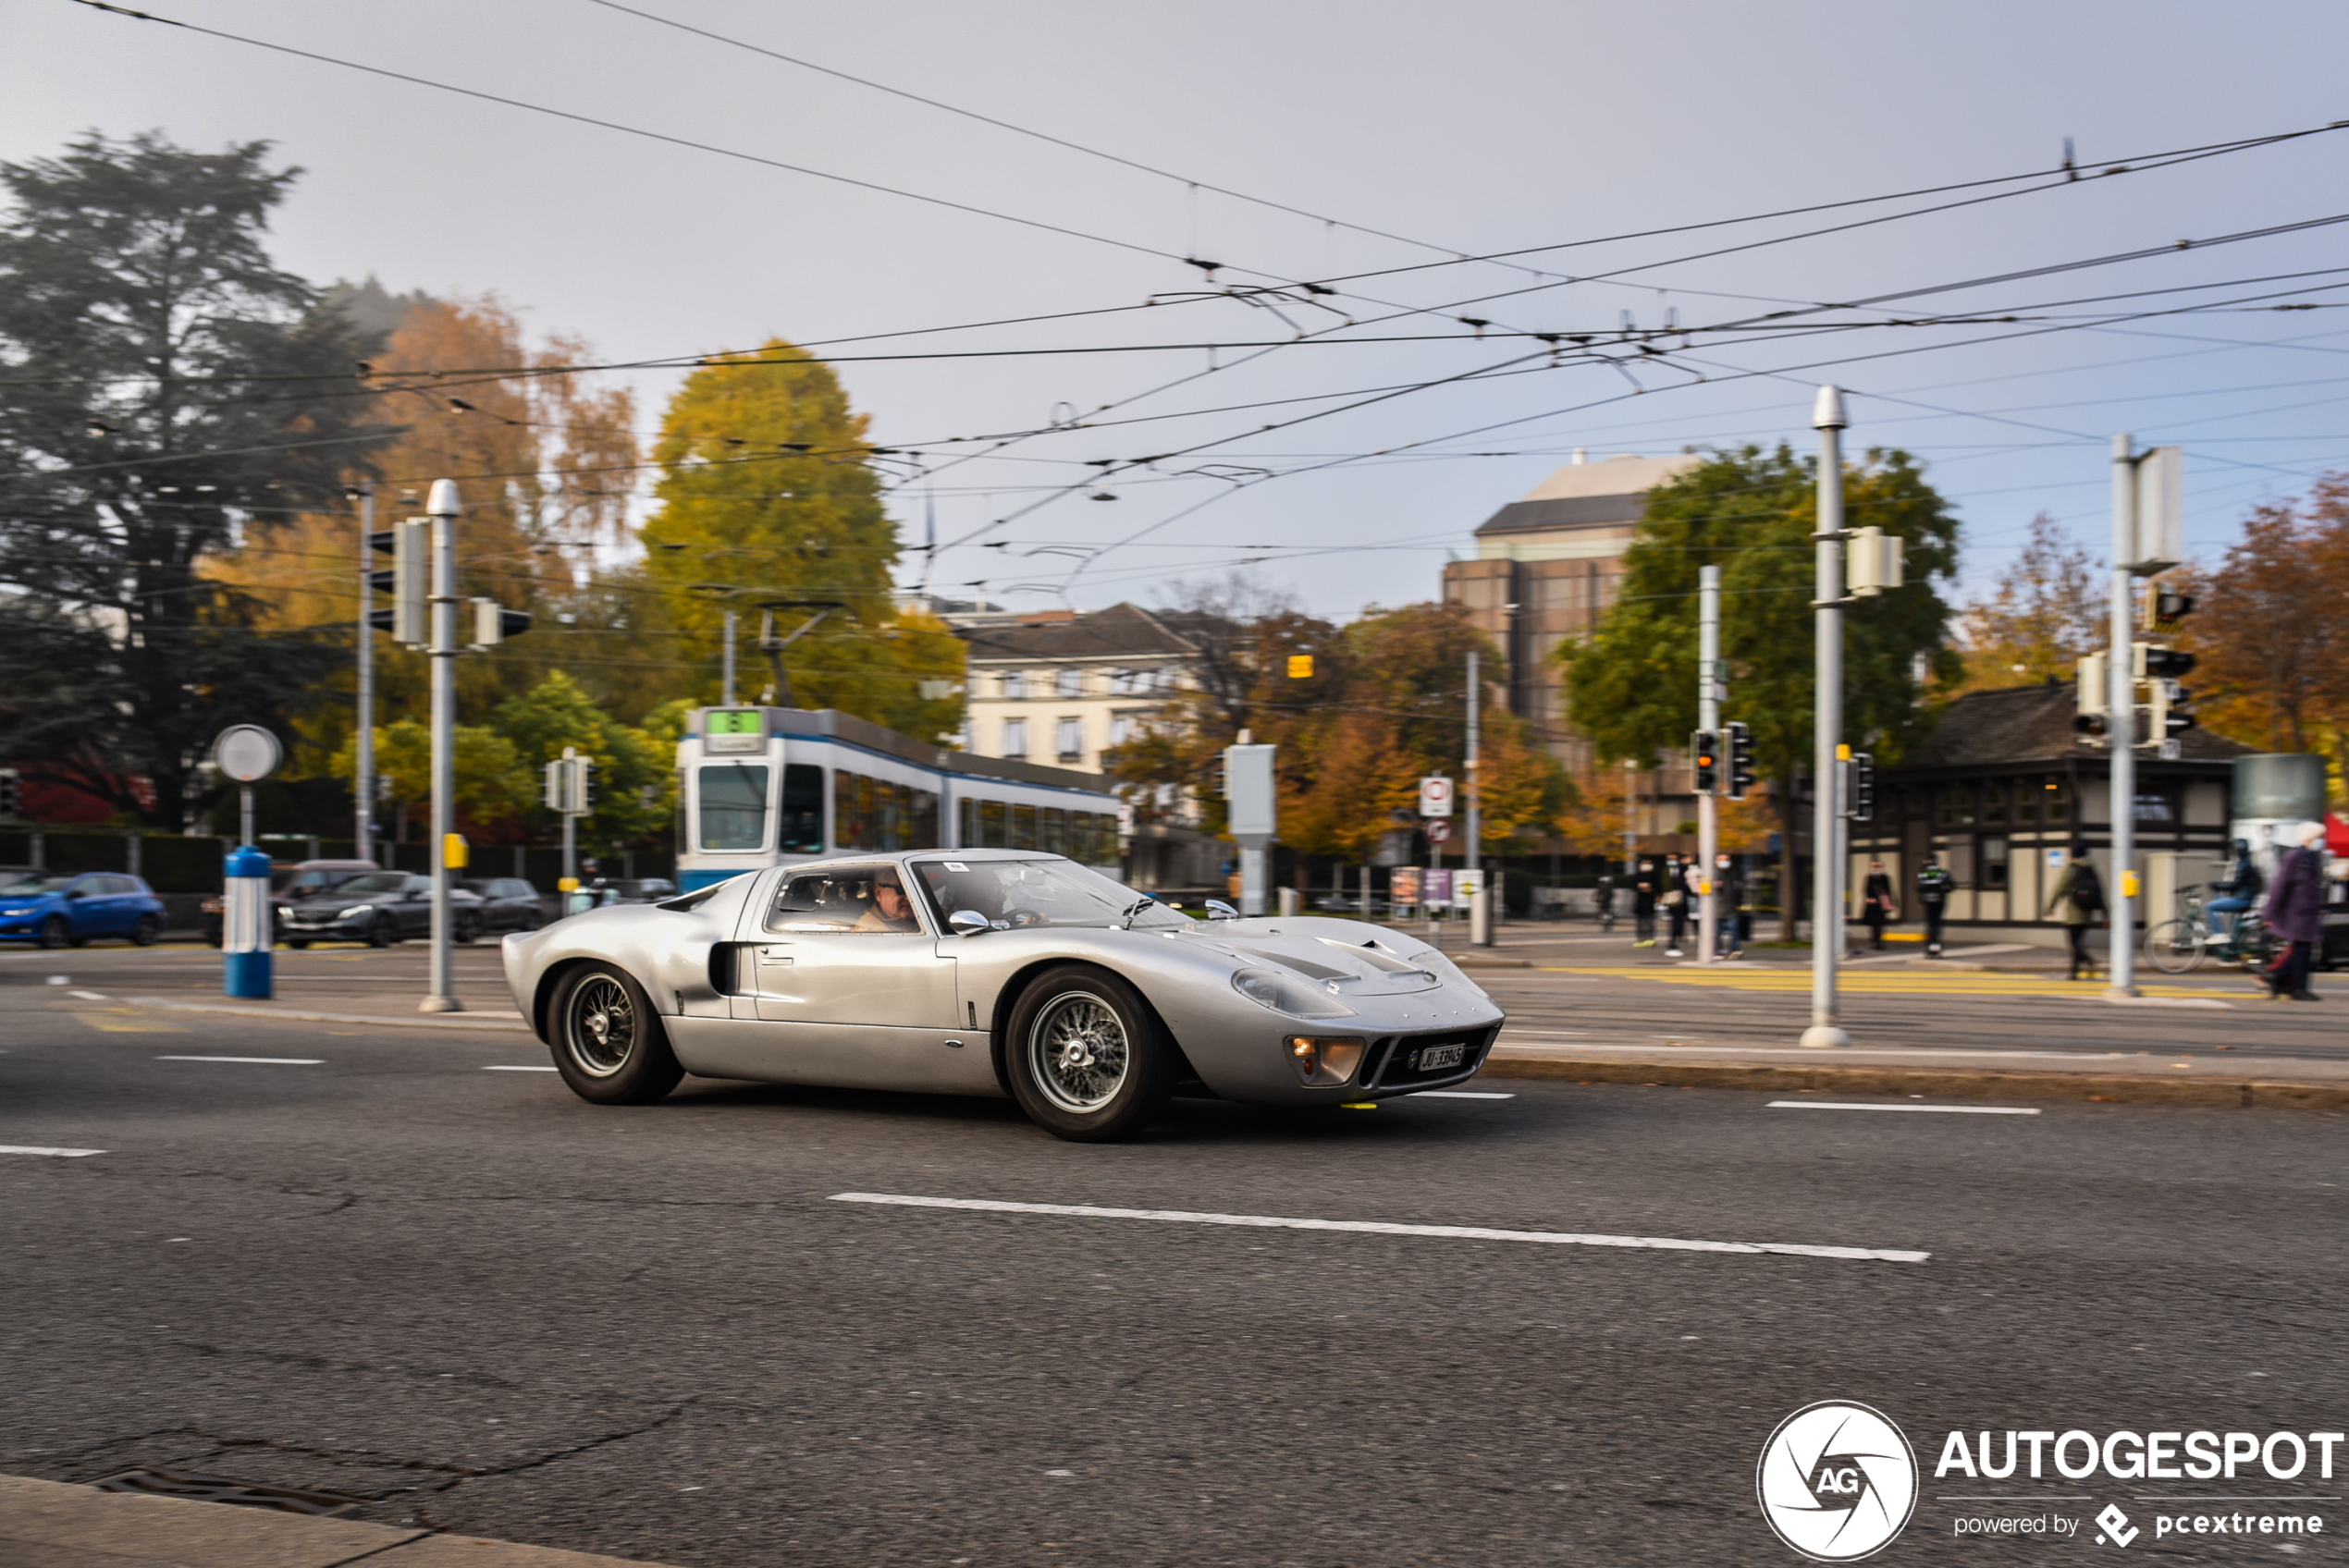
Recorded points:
(891, 899)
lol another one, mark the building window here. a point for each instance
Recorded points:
(1070, 684)
(1070, 741)
(1014, 686)
(1956, 806)
(2056, 800)
(1994, 805)
(1014, 737)
(1994, 862)
(1123, 726)
(2155, 808)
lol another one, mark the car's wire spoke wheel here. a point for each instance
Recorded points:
(600, 1025)
(1078, 1051)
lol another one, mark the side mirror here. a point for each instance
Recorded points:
(967, 923)
(1218, 910)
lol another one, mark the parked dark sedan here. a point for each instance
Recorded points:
(508, 903)
(290, 885)
(55, 911)
(378, 908)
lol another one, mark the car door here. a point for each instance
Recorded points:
(415, 906)
(849, 985)
(85, 906)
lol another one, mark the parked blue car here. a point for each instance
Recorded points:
(64, 911)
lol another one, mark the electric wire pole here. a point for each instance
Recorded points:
(1708, 721)
(2121, 673)
(362, 782)
(443, 507)
(1826, 819)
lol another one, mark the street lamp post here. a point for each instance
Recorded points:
(2121, 705)
(1827, 821)
(443, 507)
(362, 782)
(1708, 721)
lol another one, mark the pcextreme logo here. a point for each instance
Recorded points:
(1837, 1481)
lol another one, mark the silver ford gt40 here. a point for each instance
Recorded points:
(991, 971)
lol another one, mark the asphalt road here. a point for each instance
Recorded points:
(381, 1269)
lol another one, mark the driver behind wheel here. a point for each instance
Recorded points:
(890, 910)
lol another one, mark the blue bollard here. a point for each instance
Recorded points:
(248, 924)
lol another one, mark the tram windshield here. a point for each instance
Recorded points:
(734, 806)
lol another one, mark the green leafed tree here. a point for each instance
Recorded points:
(163, 388)
(1631, 685)
(770, 506)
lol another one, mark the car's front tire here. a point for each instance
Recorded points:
(609, 1043)
(54, 931)
(383, 931)
(148, 932)
(1087, 1058)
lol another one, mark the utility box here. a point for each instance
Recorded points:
(1251, 789)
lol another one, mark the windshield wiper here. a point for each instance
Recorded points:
(1137, 906)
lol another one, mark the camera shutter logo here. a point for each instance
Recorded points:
(1837, 1481)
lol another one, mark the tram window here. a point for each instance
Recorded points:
(1051, 830)
(1082, 844)
(868, 803)
(1022, 828)
(734, 806)
(966, 824)
(993, 831)
(801, 832)
(926, 821)
(847, 827)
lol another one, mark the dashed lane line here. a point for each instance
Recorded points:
(257, 1061)
(1856, 1105)
(54, 1154)
(1386, 1228)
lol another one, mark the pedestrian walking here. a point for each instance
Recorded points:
(1675, 899)
(2294, 913)
(2076, 899)
(1729, 900)
(1647, 884)
(1933, 883)
(1878, 903)
(1602, 903)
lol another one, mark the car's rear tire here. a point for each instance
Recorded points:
(383, 931)
(1087, 1058)
(54, 931)
(148, 932)
(297, 943)
(609, 1043)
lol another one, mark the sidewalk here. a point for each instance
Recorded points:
(395, 1008)
(51, 1524)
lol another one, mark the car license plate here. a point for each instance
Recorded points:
(1434, 1059)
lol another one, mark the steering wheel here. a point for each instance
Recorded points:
(1024, 918)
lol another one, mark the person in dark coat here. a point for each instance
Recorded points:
(1647, 881)
(1728, 903)
(2294, 914)
(1933, 883)
(2075, 901)
(1680, 898)
(1878, 903)
(2239, 888)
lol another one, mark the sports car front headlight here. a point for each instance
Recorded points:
(355, 911)
(1266, 987)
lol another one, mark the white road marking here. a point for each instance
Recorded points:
(60, 1154)
(502, 1068)
(265, 1060)
(1382, 1228)
(87, 995)
(1853, 1105)
(1459, 1095)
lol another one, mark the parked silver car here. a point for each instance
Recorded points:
(991, 971)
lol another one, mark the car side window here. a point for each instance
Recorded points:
(863, 899)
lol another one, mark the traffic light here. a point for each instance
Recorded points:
(1301, 667)
(493, 626)
(558, 796)
(11, 794)
(1704, 756)
(2165, 607)
(1860, 804)
(411, 573)
(1740, 751)
(2162, 664)
(588, 788)
(2093, 722)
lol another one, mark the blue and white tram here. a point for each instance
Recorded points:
(762, 786)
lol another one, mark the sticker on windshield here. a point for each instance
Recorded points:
(956, 865)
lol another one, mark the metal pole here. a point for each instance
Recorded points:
(726, 698)
(362, 781)
(1708, 719)
(570, 847)
(1630, 829)
(1827, 862)
(244, 815)
(443, 507)
(1472, 859)
(2120, 972)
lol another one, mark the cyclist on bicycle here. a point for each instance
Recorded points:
(2240, 889)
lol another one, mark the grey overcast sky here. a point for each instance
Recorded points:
(1478, 127)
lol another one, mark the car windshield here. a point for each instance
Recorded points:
(34, 887)
(373, 882)
(1039, 892)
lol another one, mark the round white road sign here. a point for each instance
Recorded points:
(247, 753)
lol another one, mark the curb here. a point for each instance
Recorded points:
(438, 1021)
(2266, 1092)
(54, 1522)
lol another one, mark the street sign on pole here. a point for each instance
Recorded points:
(1252, 795)
(247, 753)
(1438, 831)
(1435, 796)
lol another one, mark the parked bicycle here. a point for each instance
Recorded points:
(2175, 947)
